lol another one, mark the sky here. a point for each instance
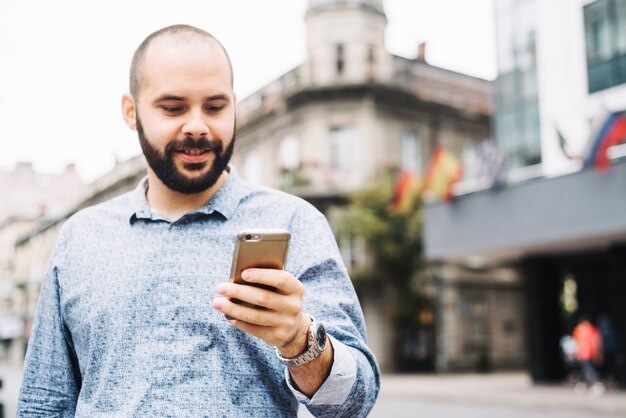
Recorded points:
(64, 63)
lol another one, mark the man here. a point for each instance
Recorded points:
(131, 319)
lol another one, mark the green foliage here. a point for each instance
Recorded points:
(393, 238)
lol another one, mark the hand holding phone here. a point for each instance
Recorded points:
(279, 320)
(261, 248)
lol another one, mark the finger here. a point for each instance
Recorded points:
(258, 331)
(276, 336)
(257, 296)
(253, 316)
(282, 280)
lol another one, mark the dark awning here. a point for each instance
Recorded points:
(578, 211)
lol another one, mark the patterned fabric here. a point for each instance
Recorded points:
(125, 326)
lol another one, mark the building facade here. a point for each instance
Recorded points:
(555, 223)
(27, 193)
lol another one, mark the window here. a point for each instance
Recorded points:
(289, 153)
(343, 147)
(340, 60)
(371, 55)
(605, 38)
(516, 119)
(410, 152)
(472, 163)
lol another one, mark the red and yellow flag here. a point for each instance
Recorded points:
(406, 190)
(443, 171)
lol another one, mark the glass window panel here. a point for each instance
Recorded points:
(620, 12)
(410, 152)
(597, 31)
(531, 126)
(529, 81)
(471, 161)
(621, 69)
(343, 147)
(601, 77)
(289, 152)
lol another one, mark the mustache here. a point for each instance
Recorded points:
(188, 142)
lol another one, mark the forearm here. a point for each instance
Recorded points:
(309, 377)
(350, 389)
(51, 378)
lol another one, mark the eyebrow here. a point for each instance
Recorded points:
(173, 98)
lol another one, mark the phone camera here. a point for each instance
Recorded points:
(248, 237)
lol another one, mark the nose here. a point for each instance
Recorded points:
(195, 126)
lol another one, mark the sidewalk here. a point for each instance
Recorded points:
(498, 389)
(501, 389)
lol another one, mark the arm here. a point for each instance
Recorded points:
(345, 380)
(51, 378)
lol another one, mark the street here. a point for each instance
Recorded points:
(405, 408)
(498, 395)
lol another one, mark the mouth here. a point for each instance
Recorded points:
(193, 155)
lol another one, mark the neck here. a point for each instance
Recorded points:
(174, 204)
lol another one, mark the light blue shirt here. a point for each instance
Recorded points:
(125, 324)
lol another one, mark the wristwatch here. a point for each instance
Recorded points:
(317, 339)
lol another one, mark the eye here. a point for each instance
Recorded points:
(215, 108)
(172, 109)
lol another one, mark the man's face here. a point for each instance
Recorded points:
(185, 114)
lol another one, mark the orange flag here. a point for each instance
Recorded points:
(443, 171)
(406, 189)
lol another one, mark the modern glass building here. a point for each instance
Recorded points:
(516, 116)
(562, 69)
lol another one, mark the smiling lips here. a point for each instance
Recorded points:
(193, 155)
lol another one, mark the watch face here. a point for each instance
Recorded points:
(320, 337)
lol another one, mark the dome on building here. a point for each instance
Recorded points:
(376, 5)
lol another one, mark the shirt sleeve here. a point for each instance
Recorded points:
(338, 384)
(51, 379)
(330, 298)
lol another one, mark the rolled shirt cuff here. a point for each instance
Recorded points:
(337, 387)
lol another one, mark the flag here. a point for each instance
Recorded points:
(492, 161)
(406, 189)
(443, 171)
(612, 132)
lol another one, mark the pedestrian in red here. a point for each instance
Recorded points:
(589, 352)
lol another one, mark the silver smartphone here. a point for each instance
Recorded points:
(262, 248)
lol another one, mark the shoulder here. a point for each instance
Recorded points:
(280, 203)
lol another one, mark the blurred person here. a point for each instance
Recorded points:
(127, 323)
(612, 348)
(588, 352)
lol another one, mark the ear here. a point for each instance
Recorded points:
(129, 111)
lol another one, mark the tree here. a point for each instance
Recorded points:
(393, 239)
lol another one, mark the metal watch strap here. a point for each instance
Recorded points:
(311, 353)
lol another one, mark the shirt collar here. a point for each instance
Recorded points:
(224, 201)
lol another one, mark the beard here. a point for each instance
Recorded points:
(163, 165)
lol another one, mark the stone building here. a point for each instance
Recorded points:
(25, 192)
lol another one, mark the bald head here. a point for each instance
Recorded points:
(176, 34)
